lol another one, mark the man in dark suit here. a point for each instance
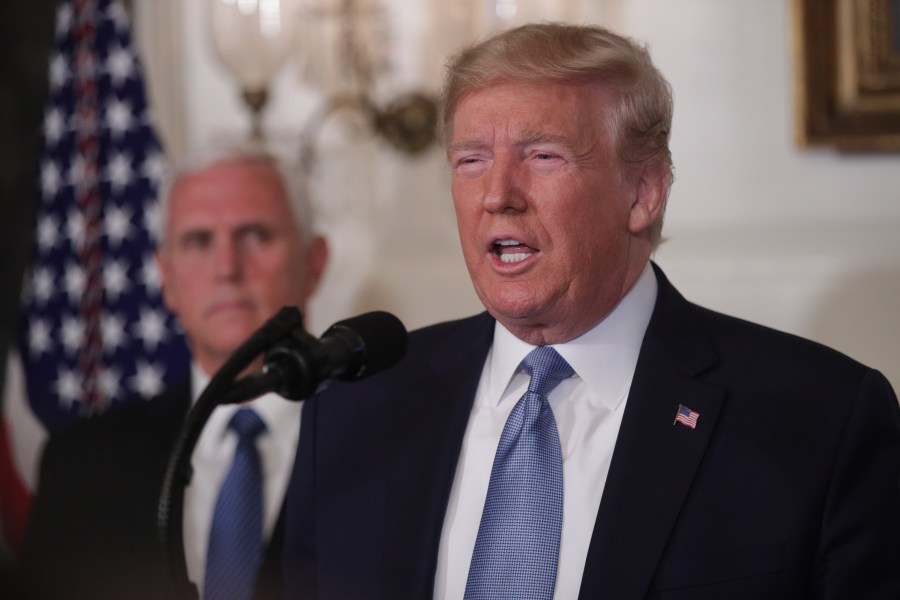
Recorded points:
(237, 244)
(594, 434)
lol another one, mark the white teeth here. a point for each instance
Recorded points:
(507, 242)
(514, 258)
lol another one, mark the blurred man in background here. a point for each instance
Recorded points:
(237, 244)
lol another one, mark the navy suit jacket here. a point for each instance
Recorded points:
(92, 533)
(788, 487)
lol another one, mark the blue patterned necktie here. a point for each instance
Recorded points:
(236, 539)
(517, 548)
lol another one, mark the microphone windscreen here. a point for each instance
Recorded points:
(383, 336)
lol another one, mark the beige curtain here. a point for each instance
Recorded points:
(158, 30)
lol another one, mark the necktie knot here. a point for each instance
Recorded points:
(547, 370)
(247, 424)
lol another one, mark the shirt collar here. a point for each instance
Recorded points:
(604, 357)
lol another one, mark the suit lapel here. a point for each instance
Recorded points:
(655, 460)
(432, 419)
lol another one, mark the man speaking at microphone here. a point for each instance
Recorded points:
(593, 434)
(237, 244)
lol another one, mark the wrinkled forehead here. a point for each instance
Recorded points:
(590, 86)
(530, 111)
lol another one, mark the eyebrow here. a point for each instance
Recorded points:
(237, 229)
(540, 137)
(528, 137)
(191, 234)
(466, 144)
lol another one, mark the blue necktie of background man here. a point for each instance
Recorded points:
(236, 539)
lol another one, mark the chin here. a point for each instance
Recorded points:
(235, 337)
(519, 314)
(514, 303)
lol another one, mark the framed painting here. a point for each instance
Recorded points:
(848, 74)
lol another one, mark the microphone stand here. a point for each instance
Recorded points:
(222, 389)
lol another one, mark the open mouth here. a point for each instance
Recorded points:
(511, 251)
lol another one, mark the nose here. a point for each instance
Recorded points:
(227, 260)
(503, 192)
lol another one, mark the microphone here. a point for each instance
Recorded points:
(297, 365)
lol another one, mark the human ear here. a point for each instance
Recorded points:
(317, 258)
(649, 201)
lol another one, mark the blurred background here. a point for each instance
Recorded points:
(803, 239)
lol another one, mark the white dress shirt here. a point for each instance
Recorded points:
(212, 458)
(588, 408)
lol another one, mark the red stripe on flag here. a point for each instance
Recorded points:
(15, 498)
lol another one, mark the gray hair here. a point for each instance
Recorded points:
(291, 178)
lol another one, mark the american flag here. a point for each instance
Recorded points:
(686, 416)
(93, 329)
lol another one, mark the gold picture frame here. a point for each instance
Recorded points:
(848, 74)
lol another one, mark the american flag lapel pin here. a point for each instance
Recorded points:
(686, 416)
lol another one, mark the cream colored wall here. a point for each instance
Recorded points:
(805, 241)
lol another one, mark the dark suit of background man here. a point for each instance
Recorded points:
(704, 457)
(237, 245)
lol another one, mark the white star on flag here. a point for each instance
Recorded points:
(119, 172)
(154, 167)
(59, 71)
(68, 386)
(147, 381)
(115, 279)
(119, 18)
(54, 126)
(75, 229)
(50, 178)
(120, 65)
(117, 225)
(109, 382)
(112, 330)
(74, 281)
(63, 20)
(151, 328)
(47, 232)
(42, 285)
(39, 340)
(72, 334)
(118, 118)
